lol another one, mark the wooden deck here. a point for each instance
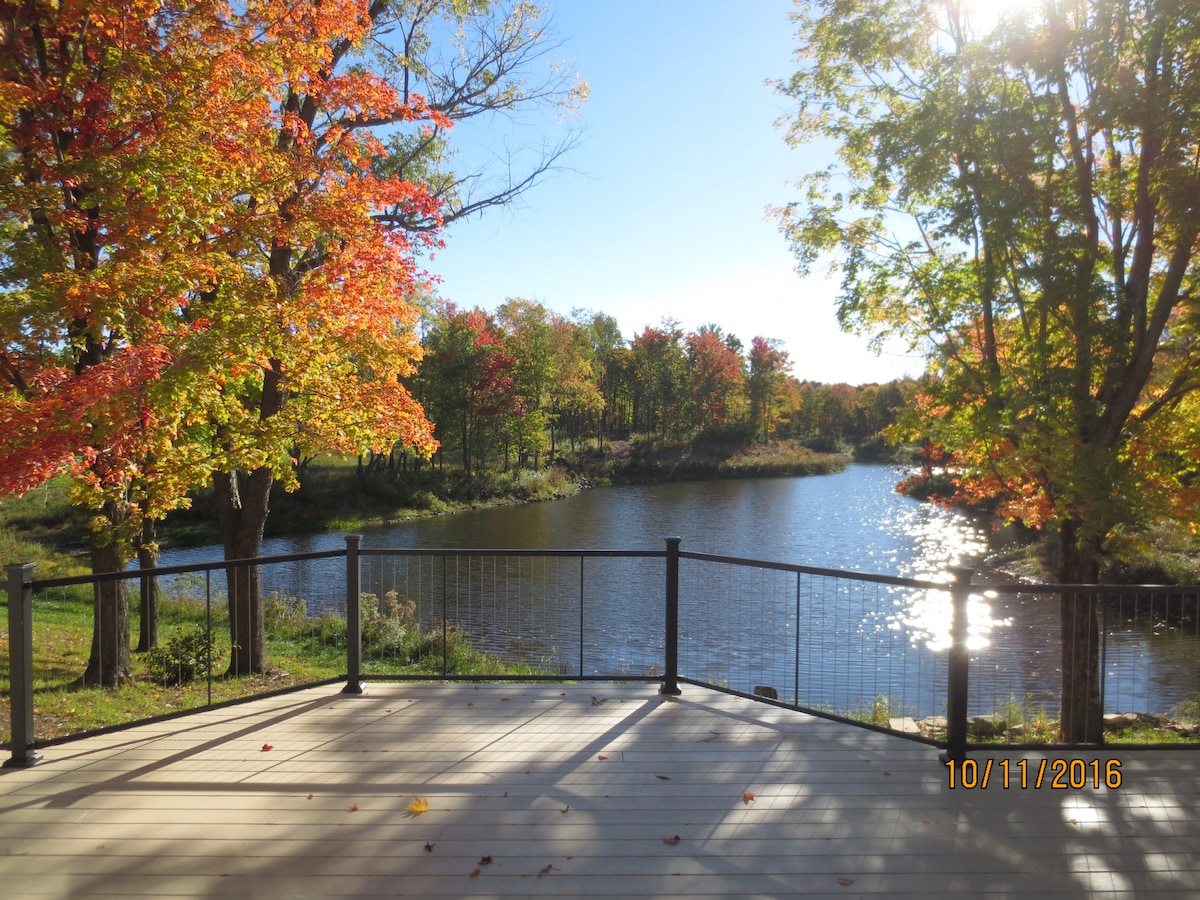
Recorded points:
(569, 791)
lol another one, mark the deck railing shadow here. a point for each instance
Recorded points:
(925, 659)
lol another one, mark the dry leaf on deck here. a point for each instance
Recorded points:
(354, 808)
(663, 777)
(429, 847)
(845, 882)
(418, 806)
(747, 796)
(474, 873)
(267, 747)
(485, 860)
(671, 841)
(601, 756)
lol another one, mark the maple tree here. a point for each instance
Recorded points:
(365, 183)
(716, 375)
(1020, 201)
(212, 287)
(102, 150)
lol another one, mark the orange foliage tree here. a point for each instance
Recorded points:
(198, 281)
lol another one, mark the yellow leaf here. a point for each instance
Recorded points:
(418, 806)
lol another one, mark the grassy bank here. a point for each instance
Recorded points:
(641, 461)
(186, 670)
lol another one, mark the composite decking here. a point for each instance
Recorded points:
(570, 791)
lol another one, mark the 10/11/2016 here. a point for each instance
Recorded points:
(1024, 774)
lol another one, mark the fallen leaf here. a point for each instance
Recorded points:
(429, 847)
(469, 703)
(601, 756)
(671, 841)
(599, 701)
(485, 860)
(310, 796)
(887, 773)
(565, 809)
(844, 882)
(663, 777)
(267, 747)
(418, 806)
(548, 870)
(747, 796)
(354, 808)
(474, 873)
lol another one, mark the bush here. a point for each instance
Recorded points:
(187, 654)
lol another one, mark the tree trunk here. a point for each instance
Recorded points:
(148, 607)
(1082, 708)
(242, 506)
(109, 664)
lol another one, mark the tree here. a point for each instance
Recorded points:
(660, 371)
(603, 334)
(768, 366)
(716, 375)
(106, 120)
(526, 325)
(1021, 201)
(369, 92)
(209, 265)
(466, 380)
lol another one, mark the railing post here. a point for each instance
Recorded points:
(353, 617)
(20, 664)
(670, 685)
(959, 663)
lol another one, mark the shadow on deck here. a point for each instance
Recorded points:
(572, 790)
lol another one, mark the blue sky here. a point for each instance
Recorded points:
(663, 210)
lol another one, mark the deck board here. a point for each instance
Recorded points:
(571, 791)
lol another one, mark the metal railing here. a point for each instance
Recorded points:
(940, 662)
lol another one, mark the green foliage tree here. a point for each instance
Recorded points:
(1021, 201)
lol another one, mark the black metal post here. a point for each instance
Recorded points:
(959, 664)
(353, 617)
(670, 685)
(20, 664)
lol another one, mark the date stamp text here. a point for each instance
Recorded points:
(1031, 774)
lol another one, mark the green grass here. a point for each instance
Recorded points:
(1026, 721)
(301, 649)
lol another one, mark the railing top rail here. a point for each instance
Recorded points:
(184, 568)
(1126, 590)
(476, 551)
(895, 580)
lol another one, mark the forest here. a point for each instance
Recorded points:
(520, 386)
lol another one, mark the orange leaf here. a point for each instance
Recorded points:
(747, 796)
(474, 873)
(267, 747)
(354, 808)
(418, 806)
(601, 756)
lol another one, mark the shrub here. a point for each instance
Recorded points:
(188, 653)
